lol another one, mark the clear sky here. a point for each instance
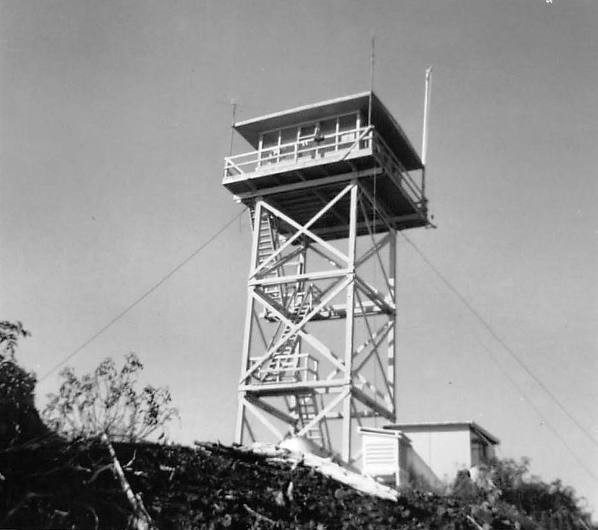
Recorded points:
(114, 120)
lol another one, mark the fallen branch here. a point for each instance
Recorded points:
(142, 519)
(130, 462)
(474, 522)
(98, 471)
(258, 516)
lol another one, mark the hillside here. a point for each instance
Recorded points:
(54, 484)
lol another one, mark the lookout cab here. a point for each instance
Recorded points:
(301, 156)
(327, 186)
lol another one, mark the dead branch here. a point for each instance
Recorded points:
(474, 522)
(142, 520)
(258, 515)
(130, 462)
(98, 471)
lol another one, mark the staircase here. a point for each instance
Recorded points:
(288, 364)
(306, 409)
(267, 245)
(285, 364)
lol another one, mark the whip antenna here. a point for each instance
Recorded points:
(372, 54)
(426, 112)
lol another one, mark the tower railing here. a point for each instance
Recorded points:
(332, 145)
(304, 368)
(397, 171)
(335, 146)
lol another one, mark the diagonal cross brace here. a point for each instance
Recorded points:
(296, 328)
(377, 338)
(304, 230)
(380, 244)
(316, 419)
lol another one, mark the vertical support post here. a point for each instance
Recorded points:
(249, 313)
(392, 272)
(350, 325)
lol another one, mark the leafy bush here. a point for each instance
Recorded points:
(19, 419)
(107, 401)
(10, 333)
(553, 504)
(506, 487)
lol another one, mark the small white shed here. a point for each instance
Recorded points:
(384, 455)
(447, 447)
(389, 457)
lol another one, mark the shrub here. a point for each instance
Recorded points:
(107, 401)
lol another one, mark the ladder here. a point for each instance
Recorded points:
(284, 366)
(267, 245)
(306, 409)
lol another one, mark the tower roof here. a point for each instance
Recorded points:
(381, 119)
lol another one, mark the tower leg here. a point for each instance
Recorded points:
(240, 423)
(350, 325)
(392, 368)
(241, 409)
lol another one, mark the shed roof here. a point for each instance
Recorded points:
(382, 120)
(383, 432)
(428, 426)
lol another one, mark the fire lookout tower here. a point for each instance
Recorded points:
(327, 186)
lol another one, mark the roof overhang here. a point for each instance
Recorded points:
(382, 120)
(383, 432)
(471, 425)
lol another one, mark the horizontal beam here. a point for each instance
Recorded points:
(292, 388)
(361, 414)
(292, 278)
(305, 184)
(370, 308)
(395, 221)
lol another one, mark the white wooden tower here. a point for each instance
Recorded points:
(327, 185)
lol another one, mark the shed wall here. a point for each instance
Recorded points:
(445, 452)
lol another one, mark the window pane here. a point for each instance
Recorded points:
(270, 139)
(269, 148)
(347, 122)
(306, 143)
(307, 131)
(328, 127)
(288, 140)
(288, 135)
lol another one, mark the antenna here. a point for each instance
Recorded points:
(372, 55)
(425, 126)
(232, 125)
(426, 111)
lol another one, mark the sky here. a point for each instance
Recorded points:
(114, 121)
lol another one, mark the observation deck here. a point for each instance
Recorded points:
(302, 157)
